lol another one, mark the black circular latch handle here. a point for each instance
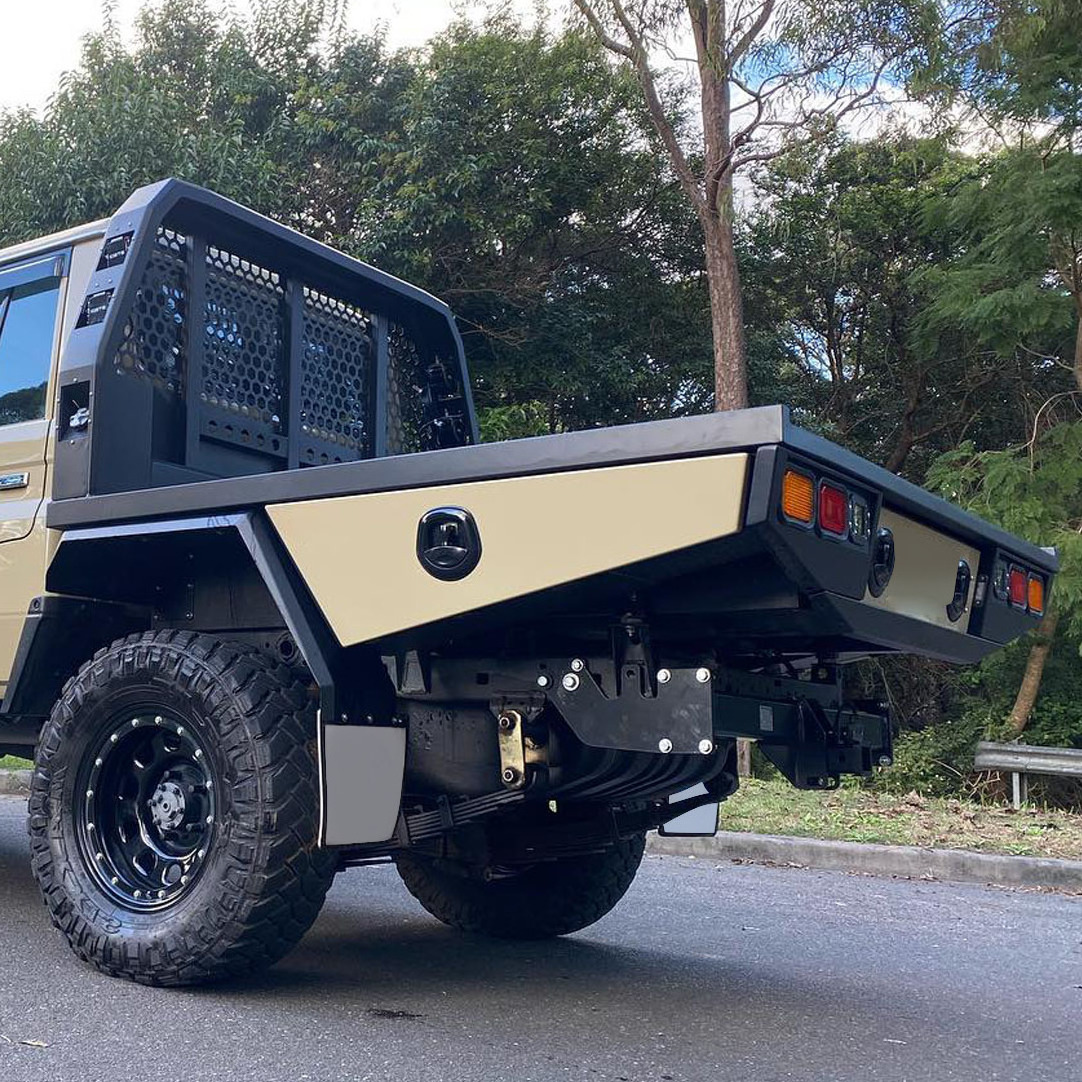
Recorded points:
(960, 602)
(448, 543)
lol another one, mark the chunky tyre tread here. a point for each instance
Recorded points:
(270, 876)
(548, 900)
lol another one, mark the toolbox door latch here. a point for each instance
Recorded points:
(448, 543)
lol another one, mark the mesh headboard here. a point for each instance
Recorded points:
(234, 346)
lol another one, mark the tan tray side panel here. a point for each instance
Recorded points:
(925, 568)
(357, 554)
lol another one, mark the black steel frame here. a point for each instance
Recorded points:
(120, 450)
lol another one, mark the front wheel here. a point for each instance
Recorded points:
(174, 810)
(549, 899)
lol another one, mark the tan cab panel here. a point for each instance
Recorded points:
(925, 568)
(357, 554)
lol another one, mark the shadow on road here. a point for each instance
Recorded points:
(373, 945)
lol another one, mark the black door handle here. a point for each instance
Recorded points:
(448, 543)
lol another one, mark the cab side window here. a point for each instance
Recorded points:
(27, 327)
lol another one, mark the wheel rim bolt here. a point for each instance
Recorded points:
(113, 739)
(90, 794)
(134, 723)
(99, 856)
(157, 721)
(97, 762)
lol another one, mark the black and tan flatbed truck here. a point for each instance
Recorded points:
(268, 609)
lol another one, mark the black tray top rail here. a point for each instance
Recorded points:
(213, 343)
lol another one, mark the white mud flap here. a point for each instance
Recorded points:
(361, 771)
(698, 823)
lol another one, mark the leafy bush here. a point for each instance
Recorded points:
(935, 761)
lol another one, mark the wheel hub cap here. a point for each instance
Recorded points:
(167, 806)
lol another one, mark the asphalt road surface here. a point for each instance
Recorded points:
(706, 971)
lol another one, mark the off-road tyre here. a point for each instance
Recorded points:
(264, 877)
(550, 899)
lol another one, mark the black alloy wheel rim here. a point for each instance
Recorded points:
(146, 808)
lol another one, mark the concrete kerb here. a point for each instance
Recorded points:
(958, 865)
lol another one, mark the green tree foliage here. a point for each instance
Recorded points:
(503, 168)
(842, 245)
(195, 98)
(1015, 280)
(523, 190)
(1034, 491)
(1020, 59)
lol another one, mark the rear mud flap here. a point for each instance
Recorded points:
(361, 770)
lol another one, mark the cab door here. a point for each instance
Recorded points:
(29, 306)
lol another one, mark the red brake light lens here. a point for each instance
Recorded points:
(1017, 587)
(833, 509)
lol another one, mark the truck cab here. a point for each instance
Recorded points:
(37, 282)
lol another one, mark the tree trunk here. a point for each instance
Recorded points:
(743, 757)
(726, 314)
(1078, 351)
(1031, 679)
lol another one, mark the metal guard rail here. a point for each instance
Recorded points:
(1028, 759)
(1025, 759)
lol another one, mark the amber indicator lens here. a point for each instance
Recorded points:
(1036, 594)
(833, 510)
(1016, 587)
(798, 496)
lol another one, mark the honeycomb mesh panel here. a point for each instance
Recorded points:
(336, 381)
(256, 367)
(405, 393)
(426, 405)
(243, 355)
(154, 337)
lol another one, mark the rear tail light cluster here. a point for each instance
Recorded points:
(812, 501)
(1024, 589)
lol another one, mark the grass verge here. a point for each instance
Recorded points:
(854, 815)
(12, 762)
